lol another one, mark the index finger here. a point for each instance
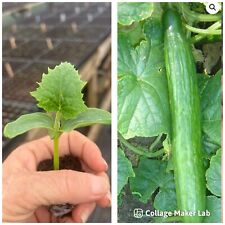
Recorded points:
(73, 143)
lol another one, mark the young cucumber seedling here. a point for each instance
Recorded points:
(59, 94)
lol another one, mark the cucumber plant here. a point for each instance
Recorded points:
(59, 95)
(163, 99)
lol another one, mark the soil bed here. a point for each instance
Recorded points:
(101, 22)
(78, 19)
(93, 34)
(73, 52)
(29, 50)
(24, 82)
(16, 67)
(60, 32)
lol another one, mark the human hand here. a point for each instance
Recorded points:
(27, 192)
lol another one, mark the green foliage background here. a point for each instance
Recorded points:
(143, 108)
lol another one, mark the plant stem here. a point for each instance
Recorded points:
(56, 154)
(199, 37)
(203, 31)
(140, 151)
(56, 141)
(155, 142)
(198, 16)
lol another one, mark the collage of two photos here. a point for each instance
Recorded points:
(59, 150)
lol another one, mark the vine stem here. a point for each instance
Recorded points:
(199, 37)
(199, 17)
(139, 151)
(203, 31)
(155, 142)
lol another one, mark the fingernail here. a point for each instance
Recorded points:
(87, 212)
(109, 197)
(106, 164)
(84, 217)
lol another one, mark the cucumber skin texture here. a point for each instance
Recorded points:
(185, 111)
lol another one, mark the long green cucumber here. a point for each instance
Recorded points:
(186, 127)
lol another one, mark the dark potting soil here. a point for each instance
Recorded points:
(66, 162)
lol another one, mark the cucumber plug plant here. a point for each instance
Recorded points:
(59, 94)
(169, 114)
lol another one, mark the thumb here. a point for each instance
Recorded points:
(66, 186)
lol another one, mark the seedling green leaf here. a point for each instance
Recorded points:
(89, 117)
(28, 122)
(60, 91)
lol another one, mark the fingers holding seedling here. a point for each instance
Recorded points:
(83, 148)
(82, 212)
(72, 143)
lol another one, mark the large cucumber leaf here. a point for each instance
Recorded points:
(143, 106)
(210, 95)
(125, 170)
(213, 205)
(151, 175)
(213, 174)
(129, 12)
